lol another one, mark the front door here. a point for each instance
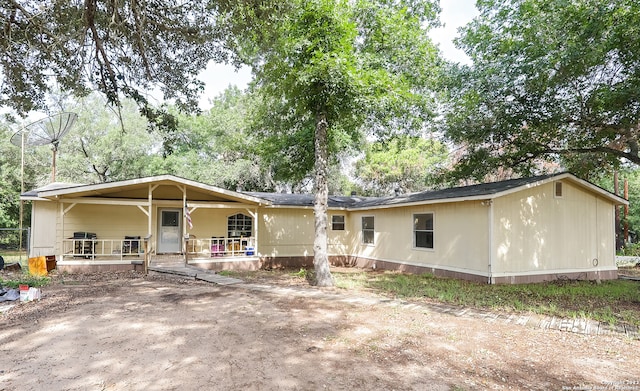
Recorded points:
(170, 231)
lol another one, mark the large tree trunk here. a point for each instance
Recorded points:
(320, 257)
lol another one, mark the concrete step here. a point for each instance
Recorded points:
(193, 272)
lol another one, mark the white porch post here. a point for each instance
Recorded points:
(185, 235)
(149, 203)
(257, 223)
(152, 187)
(254, 214)
(63, 212)
(60, 240)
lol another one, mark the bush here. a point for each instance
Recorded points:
(630, 250)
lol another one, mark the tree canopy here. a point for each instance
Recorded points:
(404, 163)
(120, 48)
(330, 70)
(550, 80)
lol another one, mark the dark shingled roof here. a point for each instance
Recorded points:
(484, 189)
(50, 186)
(284, 199)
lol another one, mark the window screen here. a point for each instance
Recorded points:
(423, 230)
(368, 230)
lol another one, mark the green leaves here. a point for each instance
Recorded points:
(403, 163)
(368, 64)
(551, 80)
(122, 49)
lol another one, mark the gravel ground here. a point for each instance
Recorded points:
(125, 331)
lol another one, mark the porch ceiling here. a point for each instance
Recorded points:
(165, 192)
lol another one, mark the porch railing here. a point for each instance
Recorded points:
(222, 247)
(103, 248)
(134, 248)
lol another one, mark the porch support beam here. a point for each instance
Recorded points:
(254, 214)
(219, 205)
(103, 201)
(65, 210)
(152, 187)
(185, 235)
(143, 210)
(60, 235)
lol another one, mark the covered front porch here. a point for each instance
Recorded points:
(151, 220)
(135, 248)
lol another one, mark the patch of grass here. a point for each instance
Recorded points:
(563, 298)
(302, 273)
(25, 279)
(613, 302)
(15, 256)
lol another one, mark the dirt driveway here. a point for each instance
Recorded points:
(127, 332)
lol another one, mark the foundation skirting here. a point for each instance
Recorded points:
(358, 262)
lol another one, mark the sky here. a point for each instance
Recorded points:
(455, 13)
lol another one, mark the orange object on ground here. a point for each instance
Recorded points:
(38, 266)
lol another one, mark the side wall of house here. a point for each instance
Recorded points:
(43, 228)
(460, 244)
(289, 233)
(539, 236)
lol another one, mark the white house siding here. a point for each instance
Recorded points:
(289, 232)
(339, 242)
(285, 232)
(210, 222)
(117, 221)
(43, 232)
(538, 233)
(460, 237)
(106, 221)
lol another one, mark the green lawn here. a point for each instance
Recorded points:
(15, 279)
(14, 256)
(614, 302)
(23, 279)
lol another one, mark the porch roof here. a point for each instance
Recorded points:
(167, 187)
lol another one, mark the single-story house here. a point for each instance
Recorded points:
(522, 230)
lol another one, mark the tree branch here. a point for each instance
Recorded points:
(139, 25)
(89, 16)
(600, 149)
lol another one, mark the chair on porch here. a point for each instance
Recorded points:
(131, 245)
(84, 244)
(217, 246)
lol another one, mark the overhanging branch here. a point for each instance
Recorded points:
(634, 158)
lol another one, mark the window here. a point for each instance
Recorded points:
(337, 223)
(170, 218)
(368, 232)
(423, 230)
(558, 190)
(239, 225)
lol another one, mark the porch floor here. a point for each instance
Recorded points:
(192, 272)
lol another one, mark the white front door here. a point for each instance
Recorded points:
(169, 231)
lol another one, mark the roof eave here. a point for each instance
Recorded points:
(423, 202)
(148, 180)
(566, 175)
